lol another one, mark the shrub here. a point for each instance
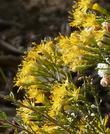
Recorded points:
(54, 103)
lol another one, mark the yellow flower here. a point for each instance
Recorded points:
(90, 20)
(24, 75)
(24, 112)
(36, 94)
(78, 16)
(50, 129)
(81, 17)
(72, 54)
(84, 4)
(25, 81)
(33, 127)
(58, 94)
(74, 93)
(87, 37)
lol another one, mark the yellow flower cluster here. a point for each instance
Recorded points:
(45, 73)
(24, 112)
(26, 115)
(58, 94)
(80, 45)
(80, 15)
(36, 94)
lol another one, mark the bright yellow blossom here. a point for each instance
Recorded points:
(58, 94)
(36, 94)
(50, 129)
(81, 17)
(24, 112)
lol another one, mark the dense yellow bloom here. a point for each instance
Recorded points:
(90, 20)
(90, 36)
(84, 4)
(24, 76)
(34, 128)
(81, 17)
(58, 94)
(74, 93)
(71, 53)
(50, 128)
(24, 112)
(52, 101)
(34, 66)
(36, 94)
(79, 44)
(25, 81)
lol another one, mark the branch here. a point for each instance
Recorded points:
(9, 48)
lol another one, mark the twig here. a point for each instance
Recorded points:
(6, 46)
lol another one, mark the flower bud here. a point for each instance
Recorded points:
(106, 26)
